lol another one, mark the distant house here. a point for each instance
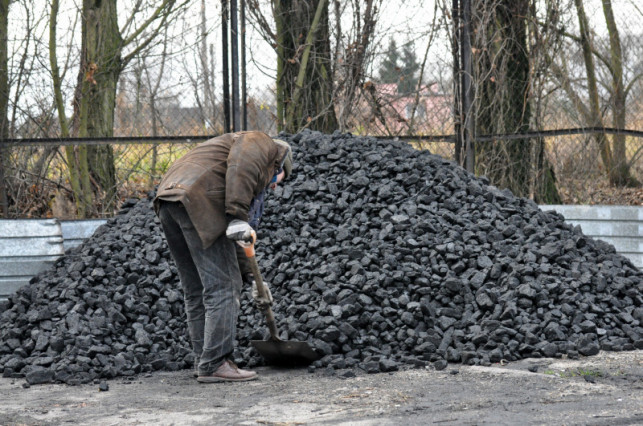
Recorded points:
(387, 112)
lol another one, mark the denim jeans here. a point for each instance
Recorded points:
(211, 284)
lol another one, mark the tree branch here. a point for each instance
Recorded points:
(310, 38)
(260, 20)
(165, 9)
(55, 73)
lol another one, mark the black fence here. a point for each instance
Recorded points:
(37, 181)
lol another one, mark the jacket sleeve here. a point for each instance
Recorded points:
(250, 161)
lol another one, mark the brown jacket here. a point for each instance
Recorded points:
(217, 180)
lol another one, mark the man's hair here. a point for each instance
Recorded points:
(286, 162)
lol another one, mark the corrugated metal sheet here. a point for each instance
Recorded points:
(621, 226)
(27, 247)
(75, 232)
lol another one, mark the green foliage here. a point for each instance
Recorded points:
(390, 69)
(568, 374)
(401, 69)
(410, 68)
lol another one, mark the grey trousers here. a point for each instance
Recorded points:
(211, 284)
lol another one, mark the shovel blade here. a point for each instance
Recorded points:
(285, 353)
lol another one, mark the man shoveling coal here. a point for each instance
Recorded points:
(206, 201)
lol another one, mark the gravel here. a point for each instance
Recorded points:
(380, 256)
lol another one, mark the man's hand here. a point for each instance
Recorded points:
(239, 230)
(261, 302)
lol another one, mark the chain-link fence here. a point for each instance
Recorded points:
(39, 182)
(410, 84)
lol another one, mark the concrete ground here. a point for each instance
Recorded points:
(606, 389)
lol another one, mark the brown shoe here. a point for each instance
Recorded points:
(228, 372)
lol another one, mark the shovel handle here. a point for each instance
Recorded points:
(249, 249)
(249, 246)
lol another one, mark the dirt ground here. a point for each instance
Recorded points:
(606, 389)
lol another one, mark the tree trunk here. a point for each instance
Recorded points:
(356, 54)
(620, 169)
(503, 101)
(100, 69)
(595, 118)
(4, 99)
(304, 75)
(82, 196)
(4, 69)
(544, 180)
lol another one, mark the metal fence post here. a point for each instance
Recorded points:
(234, 57)
(457, 71)
(244, 94)
(225, 66)
(467, 88)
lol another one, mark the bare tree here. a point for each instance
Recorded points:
(594, 111)
(104, 55)
(4, 69)
(76, 158)
(4, 98)
(28, 113)
(304, 85)
(543, 42)
(504, 97)
(202, 77)
(353, 53)
(153, 88)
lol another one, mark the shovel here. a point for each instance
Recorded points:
(286, 353)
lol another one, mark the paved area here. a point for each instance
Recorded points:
(606, 389)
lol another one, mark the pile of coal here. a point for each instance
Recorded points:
(380, 256)
(110, 307)
(383, 256)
